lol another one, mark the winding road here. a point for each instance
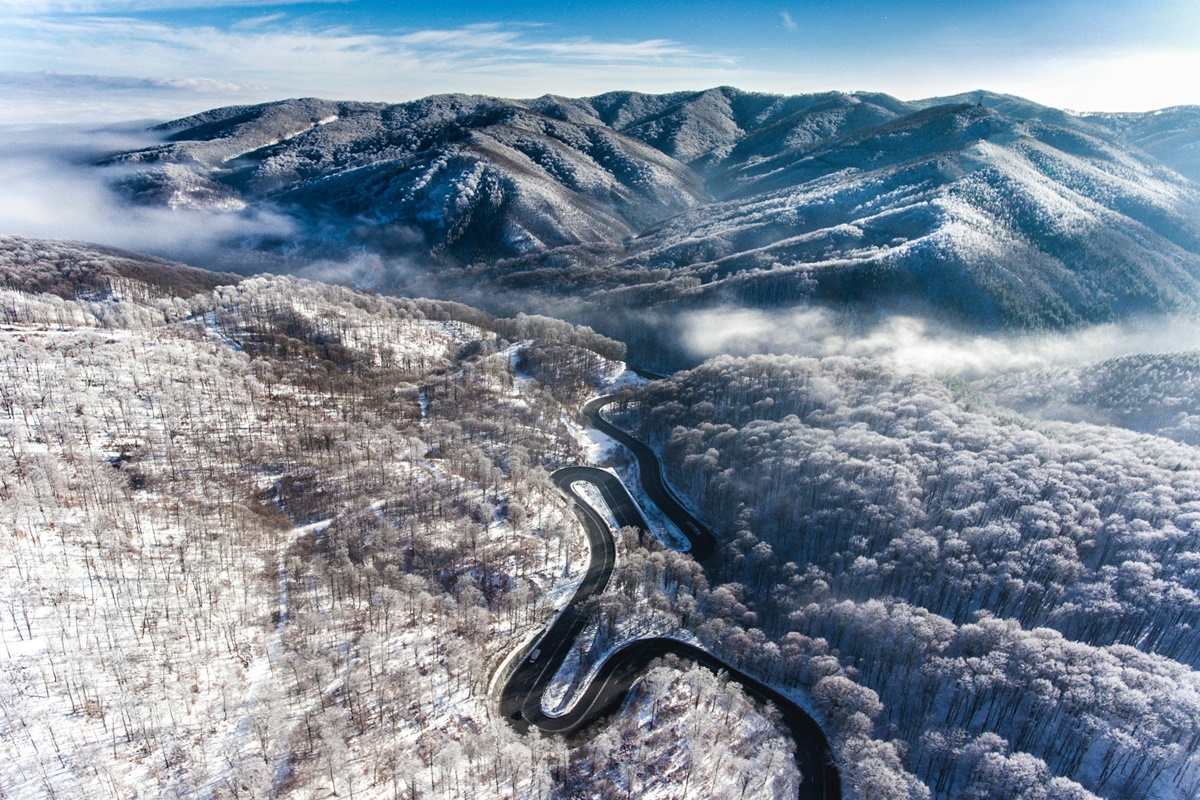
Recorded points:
(702, 539)
(521, 696)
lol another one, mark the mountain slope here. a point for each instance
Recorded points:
(465, 177)
(275, 538)
(71, 270)
(1155, 393)
(1172, 135)
(998, 211)
(956, 206)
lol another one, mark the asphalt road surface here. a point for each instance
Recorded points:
(703, 540)
(521, 696)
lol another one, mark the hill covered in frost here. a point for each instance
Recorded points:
(268, 537)
(988, 207)
(1019, 597)
(272, 538)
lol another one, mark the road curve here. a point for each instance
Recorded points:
(703, 540)
(521, 696)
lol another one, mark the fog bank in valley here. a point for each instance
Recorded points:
(51, 187)
(923, 343)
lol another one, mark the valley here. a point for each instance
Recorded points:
(996, 213)
(908, 509)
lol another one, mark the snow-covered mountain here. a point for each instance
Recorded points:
(959, 206)
(462, 178)
(990, 207)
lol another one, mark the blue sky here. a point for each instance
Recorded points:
(73, 59)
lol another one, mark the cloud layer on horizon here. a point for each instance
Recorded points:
(265, 60)
(257, 51)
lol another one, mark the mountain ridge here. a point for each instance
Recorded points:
(992, 208)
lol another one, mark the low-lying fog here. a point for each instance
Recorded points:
(51, 187)
(920, 343)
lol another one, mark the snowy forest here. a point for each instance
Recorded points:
(491, 401)
(268, 537)
(1010, 603)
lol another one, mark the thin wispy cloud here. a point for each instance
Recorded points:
(288, 58)
(508, 40)
(40, 7)
(269, 49)
(51, 81)
(94, 39)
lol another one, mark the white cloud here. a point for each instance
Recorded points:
(273, 60)
(38, 7)
(921, 344)
(47, 97)
(51, 188)
(273, 56)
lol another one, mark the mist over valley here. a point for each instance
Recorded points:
(890, 409)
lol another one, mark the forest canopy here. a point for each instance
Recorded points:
(1021, 596)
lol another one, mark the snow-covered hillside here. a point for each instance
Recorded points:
(956, 207)
(269, 537)
(461, 177)
(1017, 599)
(1151, 393)
(995, 209)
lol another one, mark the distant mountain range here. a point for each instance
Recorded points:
(984, 207)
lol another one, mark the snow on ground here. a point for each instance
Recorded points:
(667, 532)
(459, 333)
(584, 658)
(162, 632)
(592, 496)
